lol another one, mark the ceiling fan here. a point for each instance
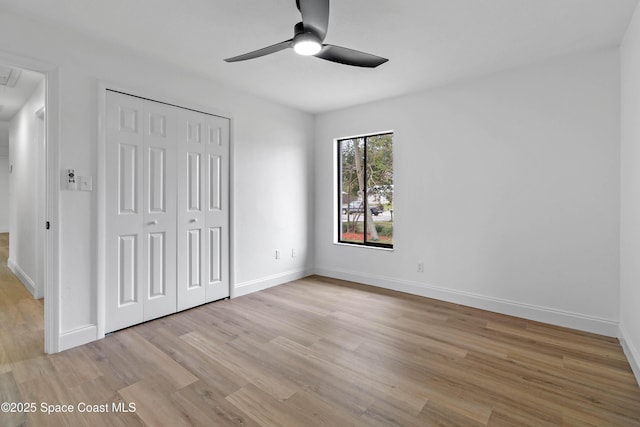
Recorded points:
(308, 37)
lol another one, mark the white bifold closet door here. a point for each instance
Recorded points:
(203, 209)
(167, 242)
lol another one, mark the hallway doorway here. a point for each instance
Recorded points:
(25, 207)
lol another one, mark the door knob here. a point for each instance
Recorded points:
(154, 222)
(193, 220)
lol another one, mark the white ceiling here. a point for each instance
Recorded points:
(429, 42)
(13, 98)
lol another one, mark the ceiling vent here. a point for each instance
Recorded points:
(9, 76)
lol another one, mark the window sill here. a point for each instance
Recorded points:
(350, 245)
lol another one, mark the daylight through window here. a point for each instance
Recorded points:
(365, 193)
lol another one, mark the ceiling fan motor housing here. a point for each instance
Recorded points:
(300, 32)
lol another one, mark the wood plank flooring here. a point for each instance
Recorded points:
(316, 352)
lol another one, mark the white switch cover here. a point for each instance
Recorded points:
(86, 183)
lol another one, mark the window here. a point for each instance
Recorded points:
(365, 190)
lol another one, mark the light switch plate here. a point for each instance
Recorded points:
(86, 183)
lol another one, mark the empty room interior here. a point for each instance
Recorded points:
(298, 213)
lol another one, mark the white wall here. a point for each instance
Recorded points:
(630, 195)
(24, 155)
(506, 187)
(4, 177)
(273, 152)
(4, 194)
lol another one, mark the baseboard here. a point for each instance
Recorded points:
(23, 277)
(527, 311)
(78, 337)
(632, 353)
(251, 286)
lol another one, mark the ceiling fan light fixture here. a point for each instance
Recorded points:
(308, 38)
(306, 44)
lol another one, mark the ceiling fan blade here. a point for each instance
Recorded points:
(315, 15)
(346, 56)
(261, 52)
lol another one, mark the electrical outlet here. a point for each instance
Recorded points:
(293, 253)
(420, 267)
(277, 254)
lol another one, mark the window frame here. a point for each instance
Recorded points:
(338, 192)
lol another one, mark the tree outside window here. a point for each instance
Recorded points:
(365, 176)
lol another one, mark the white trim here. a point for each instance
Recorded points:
(50, 239)
(632, 353)
(355, 245)
(101, 211)
(251, 286)
(52, 236)
(232, 209)
(177, 102)
(362, 135)
(41, 198)
(23, 277)
(563, 318)
(77, 337)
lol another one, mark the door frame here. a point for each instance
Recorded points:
(103, 87)
(48, 239)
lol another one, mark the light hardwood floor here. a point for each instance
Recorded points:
(317, 351)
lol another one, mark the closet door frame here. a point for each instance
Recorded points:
(104, 174)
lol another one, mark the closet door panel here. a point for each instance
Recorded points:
(157, 263)
(194, 179)
(214, 173)
(127, 270)
(159, 225)
(192, 241)
(193, 258)
(128, 172)
(217, 211)
(124, 248)
(215, 255)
